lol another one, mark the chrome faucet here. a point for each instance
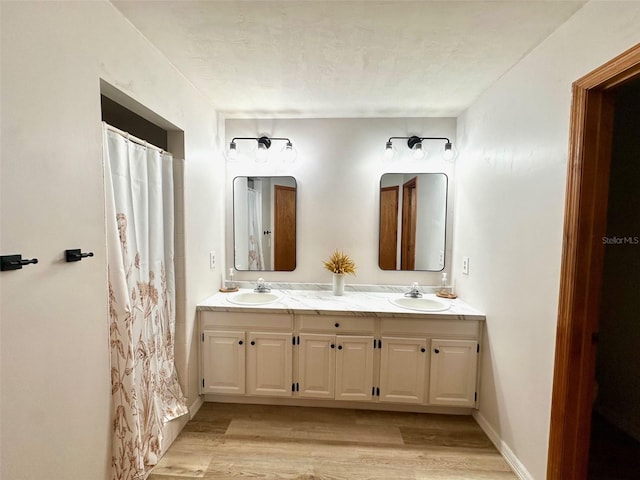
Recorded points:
(262, 287)
(414, 292)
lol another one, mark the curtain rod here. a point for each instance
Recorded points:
(134, 139)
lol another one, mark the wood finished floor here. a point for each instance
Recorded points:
(259, 441)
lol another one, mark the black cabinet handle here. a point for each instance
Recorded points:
(339, 347)
(423, 349)
(240, 342)
(437, 351)
(337, 325)
(333, 345)
(252, 342)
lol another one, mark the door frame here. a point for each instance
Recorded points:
(590, 141)
(409, 221)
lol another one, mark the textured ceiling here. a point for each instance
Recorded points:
(345, 58)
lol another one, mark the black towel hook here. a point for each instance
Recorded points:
(75, 255)
(15, 262)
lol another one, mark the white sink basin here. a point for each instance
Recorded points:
(421, 304)
(253, 298)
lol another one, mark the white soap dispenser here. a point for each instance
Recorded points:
(444, 288)
(229, 285)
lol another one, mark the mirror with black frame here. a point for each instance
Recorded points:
(264, 223)
(413, 218)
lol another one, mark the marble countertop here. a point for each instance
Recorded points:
(356, 303)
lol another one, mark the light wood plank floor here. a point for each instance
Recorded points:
(259, 441)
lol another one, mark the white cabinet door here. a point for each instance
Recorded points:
(316, 365)
(269, 364)
(402, 369)
(453, 372)
(223, 362)
(354, 367)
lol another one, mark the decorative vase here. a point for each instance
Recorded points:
(338, 284)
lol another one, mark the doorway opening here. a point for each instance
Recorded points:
(583, 262)
(614, 450)
(127, 114)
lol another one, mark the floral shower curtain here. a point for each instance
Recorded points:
(254, 206)
(144, 385)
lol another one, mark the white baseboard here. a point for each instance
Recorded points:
(173, 428)
(195, 406)
(311, 402)
(510, 457)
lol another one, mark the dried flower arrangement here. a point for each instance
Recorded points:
(340, 263)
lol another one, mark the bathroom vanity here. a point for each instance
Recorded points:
(360, 350)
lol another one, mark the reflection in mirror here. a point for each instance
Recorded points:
(264, 223)
(413, 215)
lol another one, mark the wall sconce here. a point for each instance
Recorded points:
(264, 144)
(415, 145)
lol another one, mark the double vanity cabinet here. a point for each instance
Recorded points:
(311, 348)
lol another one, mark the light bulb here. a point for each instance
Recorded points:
(288, 153)
(418, 153)
(261, 153)
(389, 151)
(232, 153)
(449, 152)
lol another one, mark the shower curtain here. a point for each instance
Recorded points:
(254, 207)
(144, 384)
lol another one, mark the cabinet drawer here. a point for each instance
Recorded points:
(445, 328)
(336, 324)
(262, 321)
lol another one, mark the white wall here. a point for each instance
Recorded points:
(510, 175)
(432, 200)
(55, 380)
(338, 170)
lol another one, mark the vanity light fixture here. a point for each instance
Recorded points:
(264, 144)
(415, 145)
